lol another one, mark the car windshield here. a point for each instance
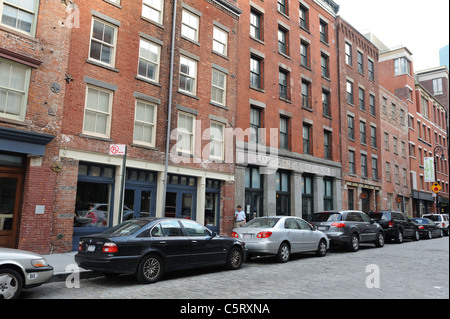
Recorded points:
(327, 217)
(262, 223)
(435, 218)
(422, 221)
(127, 228)
(380, 215)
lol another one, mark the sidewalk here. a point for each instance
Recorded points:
(64, 265)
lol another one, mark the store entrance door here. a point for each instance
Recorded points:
(11, 188)
(181, 204)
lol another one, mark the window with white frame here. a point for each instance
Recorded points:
(153, 10)
(402, 66)
(97, 113)
(220, 41)
(149, 60)
(103, 42)
(14, 83)
(145, 123)
(188, 75)
(20, 15)
(218, 87)
(185, 133)
(190, 25)
(216, 145)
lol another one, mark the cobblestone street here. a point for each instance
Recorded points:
(410, 270)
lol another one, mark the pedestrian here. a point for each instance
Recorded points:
(239, 217)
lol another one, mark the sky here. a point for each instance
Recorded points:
(421, 26)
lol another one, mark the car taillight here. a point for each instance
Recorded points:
(338, 225)
(234, 235)
(391, 224)
(110, 248)
(421, 227)
(264, 234)
(443, 224)
(80, 245)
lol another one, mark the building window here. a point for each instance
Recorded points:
(327, 144)
(97, 113)
(307, 139)
(424, 102)
(282, 6)
(188, 75)
(284, 84)
(323, 29)
(351, 199)
(255, 125)
(326, 103)
(153, 10)
(372, 105)
(20, 15)
(283, 41)
(255, 25)
(284, 133)
(374, 168)
(327, 194)
(14, 83)
(386, 141)
(373, 136)
(218, 87)
(220, 41)
(149, 60)
(304, 17)
(324, 62)
(216, 145)
(350, 93)
(145, 124)
(363, 165)
(348, 54)
(304, 54)
(255, 72)
(362, 99)
(185, 133)
(388, 171)
(362, 132)
(283, 194)
(103, 42)
(306, 95)
(360, 62)
(402, 66)
(190, 25)
(437, 86)
(351, 162)
(307, 198)
(371, 68)
(351, 127)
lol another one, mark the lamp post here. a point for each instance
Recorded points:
(437, 150)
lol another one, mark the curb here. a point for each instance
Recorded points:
(84, 274)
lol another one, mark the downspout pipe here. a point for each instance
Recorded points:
(169, 109)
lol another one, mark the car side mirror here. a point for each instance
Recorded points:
(372, 221)
(213, 234)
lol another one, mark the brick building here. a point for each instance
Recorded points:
(361, 137)
(288, 159)
(34, 51)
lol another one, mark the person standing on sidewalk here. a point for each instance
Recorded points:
(239, 217)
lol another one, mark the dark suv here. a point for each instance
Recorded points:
(396, 225)
(349, 227)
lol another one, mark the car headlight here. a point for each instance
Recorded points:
(38, 263)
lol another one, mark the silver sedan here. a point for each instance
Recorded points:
(21, 269)
(281, 236)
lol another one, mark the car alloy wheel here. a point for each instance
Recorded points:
(416, 235)
(354, 244)
(322, 250)
(284, 253)
(235, 258)
(10, 284)
(380, 240)
(150, 269)
(430, 234)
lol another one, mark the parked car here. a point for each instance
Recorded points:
(396, 225)
(21, 269)
(149, 247)
(441, 220)
(281, 236)
(427, 228)
(349, 228)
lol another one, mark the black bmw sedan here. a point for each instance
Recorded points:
(149, 247)
(427, 228)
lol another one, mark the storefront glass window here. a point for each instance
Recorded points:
(307, 198)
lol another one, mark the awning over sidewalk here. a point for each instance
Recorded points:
(18, 141)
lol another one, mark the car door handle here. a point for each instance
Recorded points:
(194, 242)
(162, 243)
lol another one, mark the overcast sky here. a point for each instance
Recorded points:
(421, 26)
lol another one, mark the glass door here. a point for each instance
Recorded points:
(10, 197)
(180, 204)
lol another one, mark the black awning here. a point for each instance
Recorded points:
(32, 143)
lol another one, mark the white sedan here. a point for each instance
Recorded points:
(281, 236)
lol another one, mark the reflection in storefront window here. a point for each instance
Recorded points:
(211, 209)
(92, 204)
(187, 205)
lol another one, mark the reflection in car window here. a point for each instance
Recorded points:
(262, 223)
(195, 229)
(327, 217)
(127, 228)
(304, 225)
(291, 223)
(171, 228)
(157, 231)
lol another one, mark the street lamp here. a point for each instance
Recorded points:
(437, 150)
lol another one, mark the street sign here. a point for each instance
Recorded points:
(436, 188)
(117, 149)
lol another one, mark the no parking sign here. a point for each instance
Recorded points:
(117, 149)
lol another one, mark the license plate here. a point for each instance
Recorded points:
(247, 236)
(90, 248)
(32, 276)
(322, 228)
